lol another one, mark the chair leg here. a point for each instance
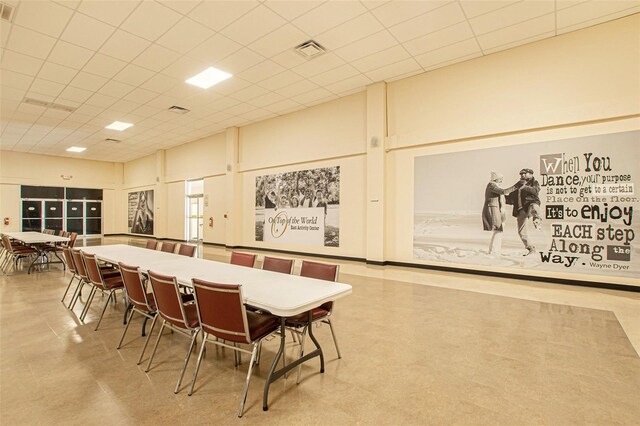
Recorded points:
(186, 359)
(112, 293)
(246, 382)
(333, 333)
(302, 339)
(146, 341)
(126, 327)
(195, 373)
(68, 287)
(92, 293)
(76, 295)
(155, 346)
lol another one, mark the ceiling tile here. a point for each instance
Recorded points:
(218, 14)
(513, 33)
(473, 8)
(111, 12)
(57, 73)
(352, 83)
(18, 62)
(84, 80)
(5, 29)
(214, 49)
(239, 61)
(563, 4)
(140, 96)
(44, 17)
(74, 94)
(510, 15)
(249, 93)
(312, 96)
(367, 46)
(392, 71)
(319, 65)
(284, 38)
(185, 35)
(258, 115)
(519, 42)
(124, 46)
(337, 74)
(283, 79)
(384, 57)
(240, 109)
(253, 25)
(230, 86)
(133, 75)
(262, 71)
(90, 110)
(160, 83)
(124, 107)
(266, 99)
(103, 65)
(353, 30)
(449, 53)
(328, 15)
(116, 89)
(429, 22)
(16, 80)
(70, 55)
(184, 68)
(291, 9)
(30, 43)
(181, 6)
(86, 32)
(589, 12)
(156, 58)
(150, 20)
(101, 100)
(438, 39)
(298, 88)
(289, 58)
(394, 12)
(13, 94)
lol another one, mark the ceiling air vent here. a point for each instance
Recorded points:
(45, 104)
(112, 140)
(310, 49)
(6, 12)
(178, 110)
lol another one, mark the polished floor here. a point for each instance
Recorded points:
(418, 347)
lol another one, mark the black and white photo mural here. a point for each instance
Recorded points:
(141, 212)
(561, 206)
(301, 207)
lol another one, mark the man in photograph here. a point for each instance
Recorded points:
(526, 204)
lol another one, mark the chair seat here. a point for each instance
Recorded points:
(261, 324)
(142, 307)
(111, 283)
(191, 312)
(303, 318)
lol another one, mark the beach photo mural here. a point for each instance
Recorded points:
(301, 207)
(563, 206)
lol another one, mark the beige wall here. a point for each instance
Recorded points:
(176, 210)
(214, 207)
(195, 160)
(140, 172)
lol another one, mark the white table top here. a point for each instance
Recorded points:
(36, 237)
(281, 294)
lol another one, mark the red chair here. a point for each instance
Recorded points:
(168, 247)
(141, 301)
(152, 244)
(223, 318)
(300, 323)
(14, 253)
(187, 250)
(109, 283)
(243, 259)
(276, 264)
(175, 314)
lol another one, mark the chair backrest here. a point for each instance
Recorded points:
(152, 244)
(243, 259)
(93, 270)
(66, 251)
(221, 311)
(6, 242)
(48, 231)
(168, 300)
(276, 264)
(136, 292)
(80, 268)
(61, 233)
(187, 250)
(168, 247)
(72, 239)
(320, 271)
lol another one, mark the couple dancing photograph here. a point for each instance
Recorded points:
(524, 198)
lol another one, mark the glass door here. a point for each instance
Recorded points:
(195, 217)
(32, 215)
(53, 215)
(75, 217)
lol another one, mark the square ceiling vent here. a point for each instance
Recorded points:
(6, 12)
(310, 49)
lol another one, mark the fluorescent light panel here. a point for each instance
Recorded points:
(208, 78)
(76, 149)
(119, 125)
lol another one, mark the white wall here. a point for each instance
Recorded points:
(196, 160)
(214, 208)
(176, 203)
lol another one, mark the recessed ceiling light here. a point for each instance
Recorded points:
(119, 125)
(76, 149)
(208, 78)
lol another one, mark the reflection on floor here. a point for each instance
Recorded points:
(419, 347)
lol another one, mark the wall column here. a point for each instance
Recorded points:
(160, 202)
(233, 215)
(376, 135)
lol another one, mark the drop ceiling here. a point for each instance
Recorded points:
(128, 60)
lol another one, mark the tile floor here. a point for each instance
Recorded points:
(419, 347)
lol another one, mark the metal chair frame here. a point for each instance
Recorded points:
(98, 283)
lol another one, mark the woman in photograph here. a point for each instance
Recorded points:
(494, 213)
(143, 218)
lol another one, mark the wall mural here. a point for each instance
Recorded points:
(561, 206)
(141, 212)
(301, 207)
